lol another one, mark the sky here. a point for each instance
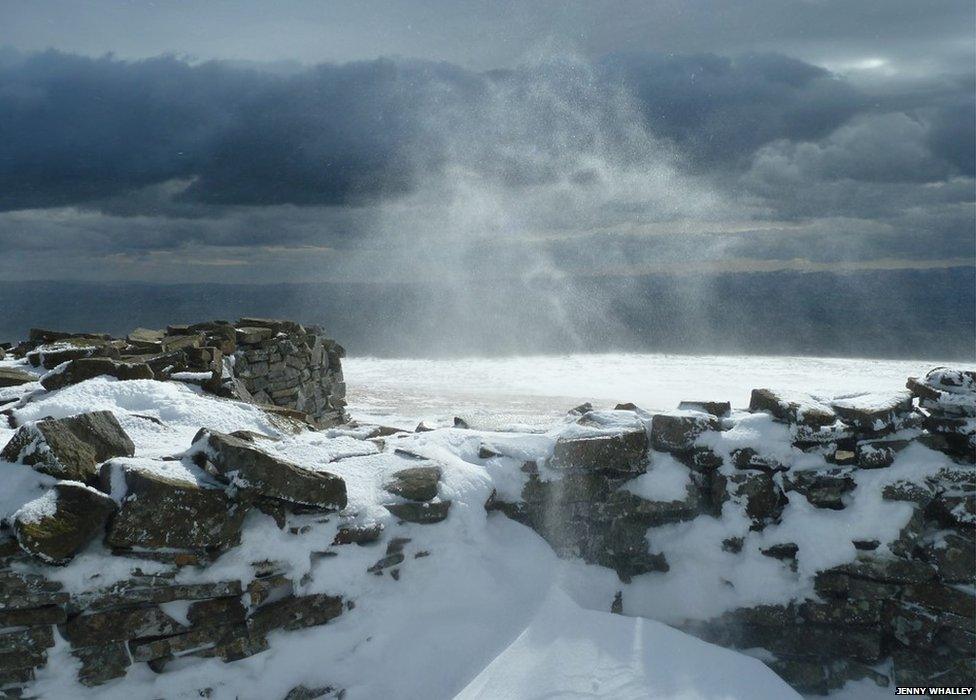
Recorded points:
(255, 142)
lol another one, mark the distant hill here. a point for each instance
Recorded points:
(895, 314)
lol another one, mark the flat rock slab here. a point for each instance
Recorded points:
(415, 484)
(823, 488)
(296, 612)
(159, 509)
(678, 432)
(82, 369)
(243, 466)
(872, 411)
(800, 409)
(60, 523)
(624, 452)
(10, 376)
(421, 513)
(120, 625)
(69, 448)
(719, 409)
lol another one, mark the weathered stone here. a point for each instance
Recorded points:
(942, 598)
(422, 513)
(142, 591)
(62, 522)
(26, 641)
(52, 355)
(11, 376)
(44, 615)
(120, 625)
(854, 612)
(181, 341)
(23, 590)
(101, 663)
(834, 584)
(783, 552)
(700, 459)
(358, 534)
(803, 410)
(822, 488)
(301, 692)
(415, 483)
(953, 556)
(719, 409)
(878, 454)
(955, 500)
(623, 452)
(756, 491)
(250, 470)
(146, 338)
(677, 433)
(69, 448)
(171, 510)
(748, 458)
(873, 412)
(296, 612)
(624, 504)
(888, 570)
(908, 491)
(270, 587)
(89, 367)
(252, 335)
(194, 640)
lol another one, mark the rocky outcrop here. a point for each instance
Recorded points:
(285, 364)
(274, 363)
(250, 471)
(60, 523)
(69, 448)
(897, 601)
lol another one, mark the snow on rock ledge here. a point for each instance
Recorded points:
(268, 557)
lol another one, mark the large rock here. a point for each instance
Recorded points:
(757, 492)
(120, 625)
(249, 470)
(792, 408)
(77, 371)
(60, 523)
(415, 483)
(420, 513)
(873, 412)
(296, 612)
(823, 488)
(171, 509)
(623, 452)
(69, 448)
(878, 454)
(11, 376)
(678, 432)
(51, 355)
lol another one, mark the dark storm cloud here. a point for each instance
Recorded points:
(723, 108)
(78, 130)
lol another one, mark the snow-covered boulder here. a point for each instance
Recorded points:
(167, 505)
(69, 448)
(57, 525)
(75, 371)
(249, 470)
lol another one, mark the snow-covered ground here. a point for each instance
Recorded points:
(533, 392)
(483, 608)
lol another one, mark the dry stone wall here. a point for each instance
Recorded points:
(905, 606)
(273, 363)
(902, 612)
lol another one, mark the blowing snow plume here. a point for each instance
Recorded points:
(525, 182)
